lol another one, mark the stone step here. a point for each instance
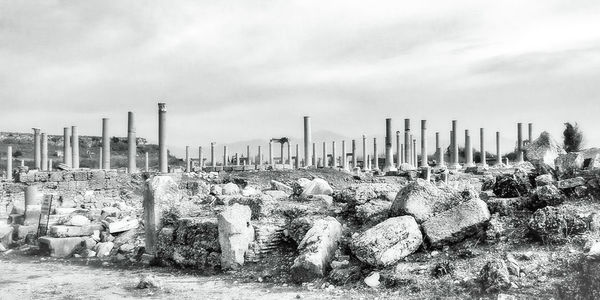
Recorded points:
(60, 247)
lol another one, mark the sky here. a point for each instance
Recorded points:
(232, 71)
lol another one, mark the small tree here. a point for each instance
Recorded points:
(573, 137)
(17, 153)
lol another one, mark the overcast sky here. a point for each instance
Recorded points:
(240, 70)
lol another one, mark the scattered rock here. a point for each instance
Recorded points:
(230, 189)
(544, 179)
(317, 186)
(546, 195)
(512, 185)
(372, 280)
(494, 276)
(103, 249)
(554, 224)
(544, 150)
(421, 199)
(148, 281)
(570, 183)
(373, 212)
(279, 186)
(567, 164)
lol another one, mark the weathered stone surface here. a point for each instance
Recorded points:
(60, 247)
(512, 185)
(504, 206)
(230, 189)
(373, 212)
(494, 276)
(159, 192)
(78, 220)
(300, 226)
(72, 231)
(249, 191)
(317, 186)
(570, 162)
(456, 223)
(361, 193)
(277, 195)
(544, 150)
(317, 249)
(388, 242)
(547, 195)
(554, 224)
(545, 179)
(122, 225)
(570, 183)
(235, 235)
(103, 249)
(421, 199)
(6, 233)
(279, 186)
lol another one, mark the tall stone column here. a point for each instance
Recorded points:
(146, 162)
(9, 160)
(37, 149)
(411, 151)
(225, 155)
(354, 154)
(260, 162)
(398, 150)
(297, 162)
(451, 148)
(519, 142)
(344, 163)
(364, 152)
(75, 147)
(401, 155)
(49, 165)
(248, 154)
(106, 145)
(407, 140)
(333, 157)
(44, 152)
(213, 161)
(424, 143)
(200, 158)
(368, 161)
(100, 158)
(131, 143)
(482, 141)
(530, 132)
(67, 146)
(271, 153)
(307, 141)
(437, 146)
(237, 159)
(498, 155)
(454, 164)
(281, 154)
(163, 159)
(314, 155)
(468, 151)
(440, 157)
(389, 158)
(414, 152)
(187, 159)
(375, 160)
(289, 155)
(325, 163)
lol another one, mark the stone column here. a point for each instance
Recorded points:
(401, 154)
(248, 155)
(37, 149)
(131, 143)
(411, 151)
(157, 191)
(424, 143)
(314, 155)
(414, 152)
(260, 156)
(281, 154)
(375, 160)
(32, 205)
(200, 158)
(187, 159)
(67, 146)
(289, 155)
(49, 165)
(389, 158)
(213, 161)
(105, 145)
(407, 140)
(307, 141)
(530, 131)
(454, 164)
(498, 156)
(398, 150)
(75, 147)
(364, 152)
(325, 164)
(437, 145)
(519, 142)
(9, 160)
(468, 150)
(440, 157)
(297, 162)
(368, 162)
(225, 156)
(271, 153)
(344, 164)
(333, 158)
(482, 141)
(237, 159)
(451, 148)
(146, 162)
(44, 152)
(354, 155)
(163, 159)
(100, 158)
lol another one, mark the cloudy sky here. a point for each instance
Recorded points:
(242, 70)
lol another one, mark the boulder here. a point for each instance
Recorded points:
(216, 190)
(421, 199)
(317, 250)
(511, 185)
(544, 150)
(594, 163)
(569, 163)
(317, 186)
(494, 276)
(455, 224)
(388, 242)
(299, 185)
(235, 235)
(103, 249)
(249, 191)
(300, 226)
(546, 195)
(6, 235)
(230, 189)
(279, 186)
(570, 183)
(555, 224)
(545, 179)
(324, 201)
(373, 212)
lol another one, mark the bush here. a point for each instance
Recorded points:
(573, 137)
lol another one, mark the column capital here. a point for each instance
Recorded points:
(162, 107)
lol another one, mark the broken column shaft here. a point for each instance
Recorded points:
(75, 147)
(105, 145)
(9, 160)
(424, 143)
(454, 164)
(44, 162)
(307, 141)
(131, 143)
(519, 142)
(67, 146)
(389, 159)
(37, 149)
(163, 159)
(482, 146)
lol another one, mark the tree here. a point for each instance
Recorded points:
(17, 153)
(573, 137)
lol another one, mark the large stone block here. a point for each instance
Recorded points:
(60, 247)
(456, 223)
(421, 199)
(159, 191)
(61, 231)
(388, 242)
(317, 250)
(235, 235)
